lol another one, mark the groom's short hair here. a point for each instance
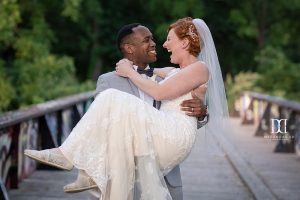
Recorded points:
(124, 31)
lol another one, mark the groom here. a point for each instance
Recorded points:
(135, 42)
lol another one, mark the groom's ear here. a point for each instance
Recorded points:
(128, 48)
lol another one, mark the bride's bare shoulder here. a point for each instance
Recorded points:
(199, 69)
(200, 66)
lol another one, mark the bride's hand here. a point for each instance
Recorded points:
(124, 67)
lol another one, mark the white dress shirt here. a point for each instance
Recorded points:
(144, 96)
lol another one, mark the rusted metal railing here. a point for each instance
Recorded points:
(40, 126)
(275, 118)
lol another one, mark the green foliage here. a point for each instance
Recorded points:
(80, 38)
(9, 18)
(247, 28)
(45, 78)
(71, 9)
(47, 46)
(30, 72)
(7, 92)
(243, 81)
(280, 76)
(268, 40)
(35, 42)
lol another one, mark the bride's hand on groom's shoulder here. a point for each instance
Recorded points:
(124, 67)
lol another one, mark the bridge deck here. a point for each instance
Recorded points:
(206, 174)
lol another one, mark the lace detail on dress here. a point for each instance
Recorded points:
(121, 139)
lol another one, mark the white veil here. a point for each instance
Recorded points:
(215, 97)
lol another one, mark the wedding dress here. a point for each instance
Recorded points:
(122, 141)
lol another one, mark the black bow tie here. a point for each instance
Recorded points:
(147, 72)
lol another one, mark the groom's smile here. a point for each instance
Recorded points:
(153, 52)
(144, 46)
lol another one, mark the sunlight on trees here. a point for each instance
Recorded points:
(54, 48)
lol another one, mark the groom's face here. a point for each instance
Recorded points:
(144, 51)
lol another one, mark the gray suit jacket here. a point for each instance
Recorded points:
(111, 80)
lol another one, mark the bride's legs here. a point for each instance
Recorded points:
(97, 146)
(55, 157)
(106, 139)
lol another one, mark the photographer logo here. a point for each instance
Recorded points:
(279, 130)
(278, 126)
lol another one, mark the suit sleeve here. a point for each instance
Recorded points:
(202, 122)
(102, 84)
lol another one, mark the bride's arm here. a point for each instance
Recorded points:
(162, 72)
(182, 82)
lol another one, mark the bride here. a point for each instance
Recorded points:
(122, 141)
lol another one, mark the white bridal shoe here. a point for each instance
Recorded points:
(83, 182)
(52, 157)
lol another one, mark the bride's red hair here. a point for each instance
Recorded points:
(184, 28)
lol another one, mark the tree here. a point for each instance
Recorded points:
(7, 92)
(26, 39)
(282, 77)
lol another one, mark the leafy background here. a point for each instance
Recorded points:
(53, 48)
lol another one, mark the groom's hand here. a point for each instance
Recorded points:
(194, 107)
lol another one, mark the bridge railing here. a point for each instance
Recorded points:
(275, 119)
(40, 126)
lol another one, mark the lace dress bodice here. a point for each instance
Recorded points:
(173, 105)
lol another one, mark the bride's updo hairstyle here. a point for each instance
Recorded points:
(184, 28)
